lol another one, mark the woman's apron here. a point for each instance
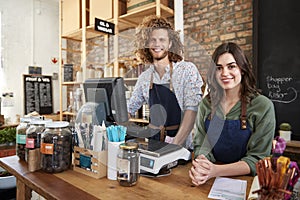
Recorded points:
(231, 145)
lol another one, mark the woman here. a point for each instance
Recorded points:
(235, 124)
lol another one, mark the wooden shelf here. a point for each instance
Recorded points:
(69, 113)
(126, 21)
(90, 33)
(130, 81)
(71, 83)
(133, 19)
(73, 18)
(139, 120)
(293, 147)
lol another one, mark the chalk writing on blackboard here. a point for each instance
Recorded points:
(38, 94)
(280, 89)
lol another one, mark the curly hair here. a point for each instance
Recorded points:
(142, 37)
(248, 82)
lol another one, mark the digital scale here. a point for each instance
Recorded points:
(156, 155)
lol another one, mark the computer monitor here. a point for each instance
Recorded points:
(109, 93)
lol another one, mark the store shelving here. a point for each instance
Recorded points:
(77, 16)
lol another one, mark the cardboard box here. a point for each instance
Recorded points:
(133, 5)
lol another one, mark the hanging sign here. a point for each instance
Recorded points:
(104, 26)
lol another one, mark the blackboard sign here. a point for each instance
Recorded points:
(68, 72)
(104, 26)
(278, 58)
(38, 94)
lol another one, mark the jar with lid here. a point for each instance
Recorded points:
(21, 137)
(33, 141)
(128, 164)
(34, 132)
(56, 144)
(122, 68)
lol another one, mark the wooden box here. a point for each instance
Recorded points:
(133, 5)
(98, 162)
(7, 151)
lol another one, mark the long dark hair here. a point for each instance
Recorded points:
(248, 83)
(142, 36)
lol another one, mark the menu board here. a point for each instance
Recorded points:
(38, 94)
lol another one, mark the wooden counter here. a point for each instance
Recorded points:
(73, 185)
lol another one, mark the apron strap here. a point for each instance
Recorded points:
(244, 114)
(163, 130)
(171, 73)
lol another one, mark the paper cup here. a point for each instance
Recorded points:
(112, 153)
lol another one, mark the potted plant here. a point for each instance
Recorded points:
(8, 136)
(7, 181)
(285, 131)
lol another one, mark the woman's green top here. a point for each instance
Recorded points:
(261, 120)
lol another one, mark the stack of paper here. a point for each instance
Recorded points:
(228, 188)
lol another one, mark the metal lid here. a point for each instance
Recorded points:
(129, 145)
(40, 121)
(57, 124)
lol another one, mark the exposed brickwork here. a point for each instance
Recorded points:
(208, 23)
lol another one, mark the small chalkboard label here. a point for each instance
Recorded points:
(104, 26)
(68, 72)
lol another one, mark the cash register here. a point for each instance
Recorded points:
(156, 157)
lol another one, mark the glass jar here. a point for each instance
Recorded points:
(128, 164)
(33, 135)
(122, 68)
(21, 137)
(56, 144)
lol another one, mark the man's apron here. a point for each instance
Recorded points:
(167, 113)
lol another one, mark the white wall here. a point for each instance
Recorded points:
(30, 37)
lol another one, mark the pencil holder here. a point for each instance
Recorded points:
(89, 162)
(276, 179)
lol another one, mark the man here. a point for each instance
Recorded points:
(171, 86)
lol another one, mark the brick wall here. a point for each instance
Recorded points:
(208, 23)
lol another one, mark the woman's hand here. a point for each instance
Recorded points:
(202, 170)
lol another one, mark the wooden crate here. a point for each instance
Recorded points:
(98, 162)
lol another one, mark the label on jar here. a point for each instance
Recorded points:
(47, 148)
(21, 138)
(123, 169)
(30, 143)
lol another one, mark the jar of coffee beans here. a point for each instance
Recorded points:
(56, 144)
(128, 164)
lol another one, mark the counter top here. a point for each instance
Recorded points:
(73, 185)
